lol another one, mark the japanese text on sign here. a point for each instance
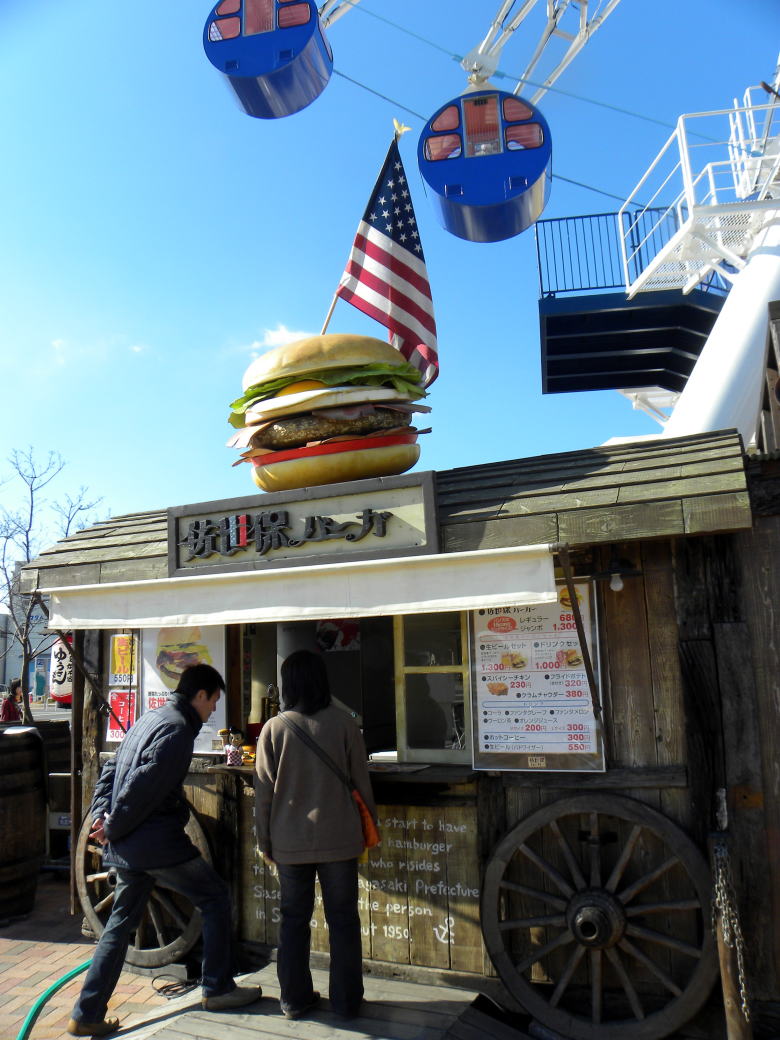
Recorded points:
(532, 698)
(272, 530)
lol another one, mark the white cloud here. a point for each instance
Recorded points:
(275, 338)
(59, 346)
(138, 348)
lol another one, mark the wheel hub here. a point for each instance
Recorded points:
(596, 918)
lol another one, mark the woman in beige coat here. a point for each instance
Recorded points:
(308, 824)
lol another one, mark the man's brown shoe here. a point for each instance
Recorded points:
(236, 998)
(104, 1028)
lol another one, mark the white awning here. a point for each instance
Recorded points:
(365, 588)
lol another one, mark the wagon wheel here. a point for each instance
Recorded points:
(170, 925)
(595, 912)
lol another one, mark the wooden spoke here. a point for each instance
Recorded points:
(91, 879)
(625, 982)
(651, 966)
(562, 940)
(565, 978)
(534, 893)
(594, 849)
(104, 902)
(610, 885)
(548, 869)
(169, 905)
(596, 981)
(157, 924)
(663, 940)
(639, 886)
(553, 921)
(168, 929)
(568, 855)
(671, 906)
(625, 856)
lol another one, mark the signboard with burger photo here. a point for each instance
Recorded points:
(532, 704)
(166, 653)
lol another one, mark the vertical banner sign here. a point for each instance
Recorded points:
(166, 653)
(123, 684)
(61, 672)
(532, 704)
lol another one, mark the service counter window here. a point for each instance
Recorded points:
(432, 676)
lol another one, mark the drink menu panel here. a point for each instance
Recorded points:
(532, 703)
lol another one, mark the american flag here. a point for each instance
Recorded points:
(385, 276)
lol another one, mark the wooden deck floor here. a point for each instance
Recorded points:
(393, 1010)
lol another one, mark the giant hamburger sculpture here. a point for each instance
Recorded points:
(326, 409)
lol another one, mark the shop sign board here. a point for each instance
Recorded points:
(531, 700)
(166, 652)
(365, 519)
(60, 671)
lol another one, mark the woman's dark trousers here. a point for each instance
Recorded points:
(339, 884)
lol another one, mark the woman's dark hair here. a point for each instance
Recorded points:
(16, 687)
(199, 677)
(305, 682)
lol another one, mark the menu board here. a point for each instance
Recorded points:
(532, 706)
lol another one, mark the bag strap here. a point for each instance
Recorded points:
(316, 748)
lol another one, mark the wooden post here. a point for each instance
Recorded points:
(737, 1026)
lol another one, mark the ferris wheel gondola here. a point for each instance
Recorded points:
(486, 157)
(274, 53)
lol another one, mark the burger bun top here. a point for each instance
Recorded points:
(318, 353)
(175, 637)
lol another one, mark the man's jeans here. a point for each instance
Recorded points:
(204, 888)
(339, 884)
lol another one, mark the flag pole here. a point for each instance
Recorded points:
(329, 315)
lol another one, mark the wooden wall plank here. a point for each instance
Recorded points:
(758, 553)
(494, 534)
(628, 522)
(727, 512)
(631, 726)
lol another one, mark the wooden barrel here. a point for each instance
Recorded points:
(55, 734)
(22, 818)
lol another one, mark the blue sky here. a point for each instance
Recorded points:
(154, 237)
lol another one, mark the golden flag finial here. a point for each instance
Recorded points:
(400, 128)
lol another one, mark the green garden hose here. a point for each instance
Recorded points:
(37, 1007)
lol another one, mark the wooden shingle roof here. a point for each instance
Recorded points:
(623, 492)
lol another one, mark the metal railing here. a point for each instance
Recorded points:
(583, 254)
(714, 181)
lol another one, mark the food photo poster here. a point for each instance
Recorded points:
(166, 653)
(122, 685)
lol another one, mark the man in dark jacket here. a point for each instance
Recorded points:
(139, 814)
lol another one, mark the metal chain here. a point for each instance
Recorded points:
(724, 910)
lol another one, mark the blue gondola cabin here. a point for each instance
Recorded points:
(487, 157)
(274, 53)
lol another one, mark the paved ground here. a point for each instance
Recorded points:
(35, 952)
